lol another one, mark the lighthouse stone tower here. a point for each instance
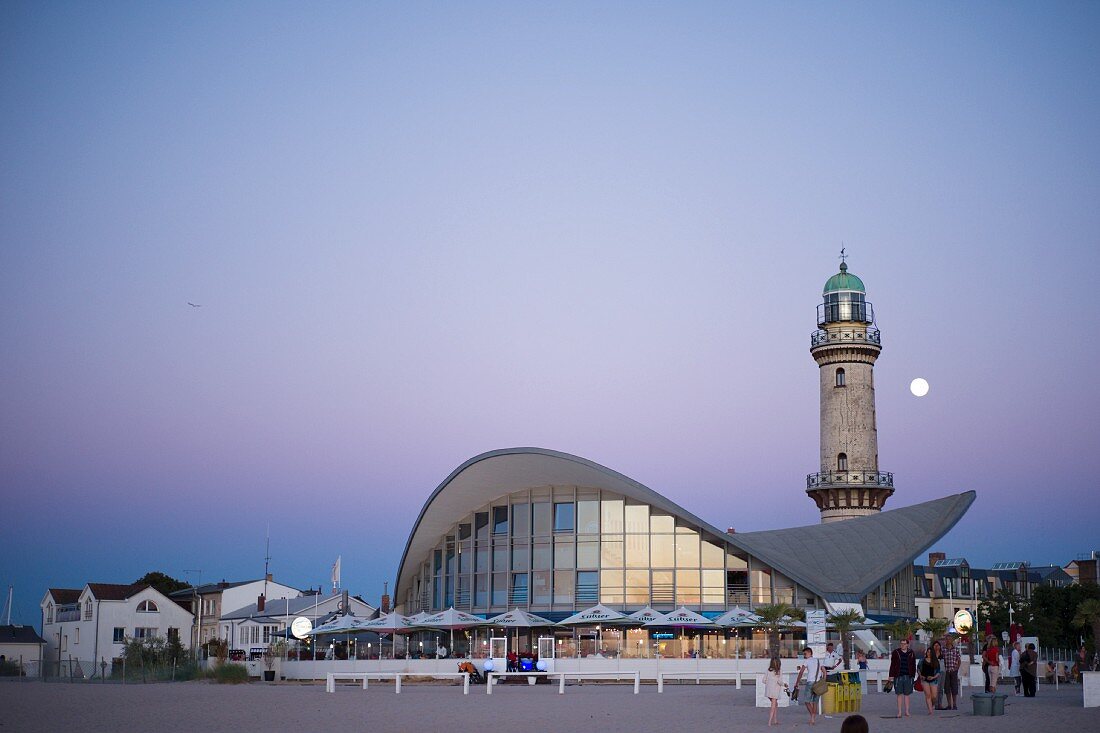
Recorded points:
(845, 347)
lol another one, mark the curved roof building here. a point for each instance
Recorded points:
(555, 533)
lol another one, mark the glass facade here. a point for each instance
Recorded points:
(563, 549)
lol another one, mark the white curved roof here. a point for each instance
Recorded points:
(828, 559)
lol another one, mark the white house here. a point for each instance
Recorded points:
(249, 630)
(20, 650)
(86, 628)
(210, 600)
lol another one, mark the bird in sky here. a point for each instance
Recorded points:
(194, 305)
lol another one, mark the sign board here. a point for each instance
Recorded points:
(964, 622)
(815, 627)
(301, 627)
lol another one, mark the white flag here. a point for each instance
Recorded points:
(336, 573)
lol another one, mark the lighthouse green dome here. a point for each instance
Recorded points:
(843, 280)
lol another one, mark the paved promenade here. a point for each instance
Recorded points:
(29, 707)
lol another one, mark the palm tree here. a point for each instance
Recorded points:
(843, 623)
(936, 628)
(1088, 614)
(901, 629)
(777, 616)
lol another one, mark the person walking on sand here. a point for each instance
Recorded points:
(903, 667)
(930, 675)
(1014, 669)
(1029, 671)
(952, 660)
(993, 663)
(808, 672)
(774, 687)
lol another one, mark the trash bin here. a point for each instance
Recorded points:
(983, 703)
(999, 704)
(845, 694)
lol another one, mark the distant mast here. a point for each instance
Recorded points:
(7, 607)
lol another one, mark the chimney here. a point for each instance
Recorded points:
(260, 603)
(385, 607)
(934, 557)
(268, 577)
(731, 530)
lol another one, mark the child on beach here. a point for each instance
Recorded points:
(773, 688)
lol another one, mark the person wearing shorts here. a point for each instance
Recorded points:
(903, 668)
(952, 660)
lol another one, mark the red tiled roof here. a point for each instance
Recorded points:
(65, 595)
(115, 591)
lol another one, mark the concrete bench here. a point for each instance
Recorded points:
(698, 675)
(600, 675)
(531, 675)
(331, 677)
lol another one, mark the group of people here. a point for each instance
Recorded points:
(936, 672)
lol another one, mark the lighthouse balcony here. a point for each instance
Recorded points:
(830, 479)
(869, 335)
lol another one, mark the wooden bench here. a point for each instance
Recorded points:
(600, 675)
(331, 677)
(735, 675)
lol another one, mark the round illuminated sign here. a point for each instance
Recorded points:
(964, 622)
(301, 627)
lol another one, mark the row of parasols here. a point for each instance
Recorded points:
(452, 619)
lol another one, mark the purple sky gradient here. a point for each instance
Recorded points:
(420, 232)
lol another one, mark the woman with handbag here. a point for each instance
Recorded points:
(903, 668)
(812, 687)
(774, 687)
(930, 676)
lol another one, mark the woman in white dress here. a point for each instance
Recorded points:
(773, 688)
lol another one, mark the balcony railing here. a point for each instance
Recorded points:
(869, 335)
(849, 478)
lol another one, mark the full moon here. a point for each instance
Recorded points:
(919, 387)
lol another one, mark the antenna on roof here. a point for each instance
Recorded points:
(7, 608)
(267, 558)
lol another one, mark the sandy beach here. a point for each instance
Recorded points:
(190, 706)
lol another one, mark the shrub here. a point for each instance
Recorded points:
(233, 674)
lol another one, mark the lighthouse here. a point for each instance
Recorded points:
(845, 346)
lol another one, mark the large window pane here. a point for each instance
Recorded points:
(637, 551)
(541, 556)
(540, 588)
(521, 520)
(611, 516)
(520, 558)
(518, 594)
(481, 591)
(588, 586)
(637, 587)
(543, 518)
(662, 523)
(663, 588)
(637, 518)
(500, 520)
(687, 587)
(588, 517)
(500, 589)
(611, 586)
(481, 525)
(611, 554)
(563, 552)
(761, 581)
(712, 555)
(663, 550)
(563, 587)
(714, 586)
(588, 554)
(687, 550)
(563, 517)
(500, 555)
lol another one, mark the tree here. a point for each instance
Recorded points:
(995, 611)
(166, 584)
(843, 623)
(778, 616)
(1053, 610)
(936, 628)
(901, 629)
(1088, 616)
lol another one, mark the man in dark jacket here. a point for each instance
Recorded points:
(903, 667)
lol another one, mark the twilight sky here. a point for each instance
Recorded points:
(423, 231)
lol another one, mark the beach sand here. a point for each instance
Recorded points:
(597, 708)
